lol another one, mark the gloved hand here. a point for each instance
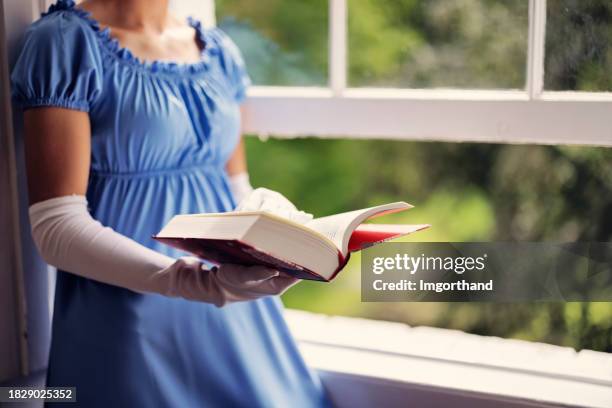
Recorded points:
(227, 283)
(69, 238)
(262, 199)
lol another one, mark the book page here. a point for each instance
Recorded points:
(333, 226)
(339, 227)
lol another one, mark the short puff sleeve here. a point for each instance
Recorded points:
(59, 65)
(232, 64)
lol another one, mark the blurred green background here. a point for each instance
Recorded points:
(467, 191)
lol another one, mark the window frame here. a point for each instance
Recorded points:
(532, 115)
(366, 363)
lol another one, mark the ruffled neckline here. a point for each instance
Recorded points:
(125, 55)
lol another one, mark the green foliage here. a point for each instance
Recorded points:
(468, 192)
(578, 52)
(437, 43)
(376, 48)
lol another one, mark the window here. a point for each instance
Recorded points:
(437, 44)
(478, 75)
(469, 191)
(586, 65)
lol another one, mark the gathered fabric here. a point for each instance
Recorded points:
(161, 133)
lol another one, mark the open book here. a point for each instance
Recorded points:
(317, 250)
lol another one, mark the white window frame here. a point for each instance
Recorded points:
(532, 115)
(367, 363)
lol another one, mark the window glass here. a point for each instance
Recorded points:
(578, 45)
(284, 42)
(438, 43)
(469, 192)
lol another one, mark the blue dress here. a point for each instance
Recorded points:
(161, 135)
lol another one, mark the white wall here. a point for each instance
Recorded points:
(24, 312)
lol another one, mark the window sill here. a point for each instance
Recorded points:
(503, 116)
(366, 363)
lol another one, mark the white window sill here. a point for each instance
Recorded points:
(368, 363)
(468, 115)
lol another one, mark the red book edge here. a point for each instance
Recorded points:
(366, 235)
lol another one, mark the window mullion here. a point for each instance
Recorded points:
(535, 55)
(337, 45)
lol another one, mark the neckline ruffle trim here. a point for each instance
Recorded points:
(125, 55)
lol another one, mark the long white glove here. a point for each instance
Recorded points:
(262, 199)
(240, 186)
(69, 238)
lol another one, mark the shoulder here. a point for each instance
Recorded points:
(61, 28)
(59, 64)
(231, 62)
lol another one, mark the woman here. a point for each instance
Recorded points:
(134, 113)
